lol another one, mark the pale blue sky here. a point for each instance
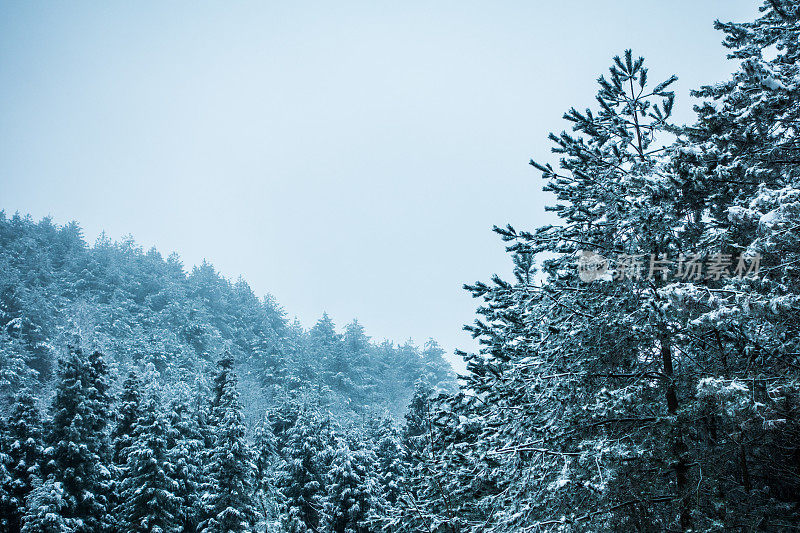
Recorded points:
(344, 156)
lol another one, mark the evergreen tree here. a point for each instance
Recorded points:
(48, 510)
(77, 484)
(7, 507)
(425, 501)
(230, 490)
(127, 414)
(741, 164)
(23, 437)
(185, 450)
(389, 454)
(351, 491)
(267, 464)
(15, 373)
(355, 378)
(122, 432)
(302, 478)
(326, 346)
(418, 423)
(149, 503)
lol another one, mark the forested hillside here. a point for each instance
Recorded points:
(640, 372)
(138, 395)
(142, 310)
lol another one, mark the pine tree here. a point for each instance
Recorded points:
(185, 451)
(351, 491)
(425, 502)
(23, 437)
(355, 378)
(15, 372)
(567, 369)
(230, 490)
(77, 470)
(302, 478)
(122, 432)
(48, 510)
(418, 423)
(267, 464)
(389, 453)
(327, 351)
(7, 503)
(741, 162)
(129, 404)
(148, 497)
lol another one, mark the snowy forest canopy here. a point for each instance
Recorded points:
(142, 398)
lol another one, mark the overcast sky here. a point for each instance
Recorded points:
(348, 157)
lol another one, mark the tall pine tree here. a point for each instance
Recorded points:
(149, 503)
(230, 489)
(76, 489)
(23, 456)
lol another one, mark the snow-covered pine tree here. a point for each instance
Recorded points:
(359, 383)
(185, 451)
(417, 435)
(327, 349)
(7, 506)
(78, 457)
(389, 456)
(48, 510)
(15, 373)
(23, 454)
(127, 414)
(351, 491)
(122, 431)
(418, 422)
(740, 165)
(569, 368)
(301, 479)
(147, 493)
(267, 465)
(229, 490)
(425, 502)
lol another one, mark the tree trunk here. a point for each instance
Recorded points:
(679, 449)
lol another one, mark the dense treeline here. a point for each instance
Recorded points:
(120, 410)
(145, 463)
(141, 309)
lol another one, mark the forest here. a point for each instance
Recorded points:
(639, 372)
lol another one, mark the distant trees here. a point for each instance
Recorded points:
(174, 449)
(142, 309)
